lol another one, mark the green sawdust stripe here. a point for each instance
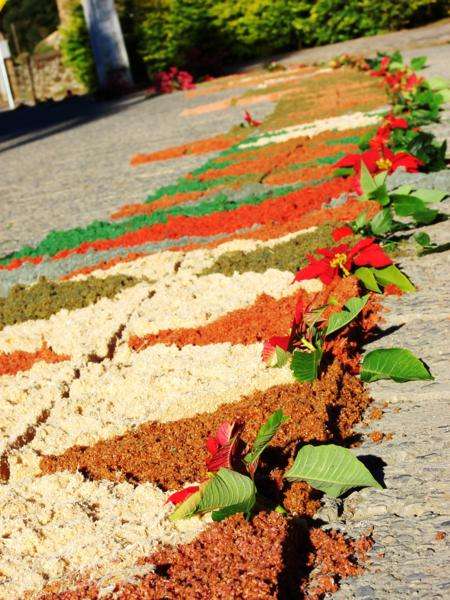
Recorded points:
(56, 241)
(286, 256)
(45, 298)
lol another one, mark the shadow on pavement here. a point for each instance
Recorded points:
(31, 123)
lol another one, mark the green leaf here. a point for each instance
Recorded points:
(343, 172)
(403, 190)
(418, 63)
(393, 275)
(264, 437)
(187, 508)
(360, 222)
(438, 83)
(398, 364)
(367, 182)
(353, 307)
(228, 490)
(282, 356)
(305, 365)
(445, 95)
(330, 469)
(430, 196)
(366, 275)
(382, 223)
(414, 207)
(423, 239)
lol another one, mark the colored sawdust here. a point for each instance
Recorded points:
(265, 318)
(242, 101)
(280, 209)
(169, 454)
(285, 256)
(269, 556)
(12, 363)
(103, 265)
(45, 298)
(268, 317)
(212, 144)
(129, 210)
(345, 213)
(332, 94)
(284, 177)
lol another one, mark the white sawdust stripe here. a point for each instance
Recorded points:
(162, 264)
(161, 383)
(76, 332)
(55, 526)
(340, 123)
(186, 300)
(26, 396)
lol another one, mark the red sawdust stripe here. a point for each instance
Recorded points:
(269, 556)
(349, 211)
(212, 144)
(281, 209)
(260, 321)
(19, 360)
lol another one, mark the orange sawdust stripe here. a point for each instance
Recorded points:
(130, 210)
(212, 144)
(19, 360)
(260, 321)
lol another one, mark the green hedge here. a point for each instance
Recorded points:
(76, 49)
(185, 32)
(203, 35)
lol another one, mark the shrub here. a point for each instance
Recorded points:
(338, 20)
(76, 49)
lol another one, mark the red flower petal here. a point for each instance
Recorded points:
(212, 445)
(320, 269)
(342, 232)
(372, 256)
(268, 353)
(224, 432)
(179, 497)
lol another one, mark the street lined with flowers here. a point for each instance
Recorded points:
(210, 353)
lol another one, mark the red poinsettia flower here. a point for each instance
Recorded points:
(381, 159)
(179, 497)
(342, 258)
(269, 349)
(382, 69)
(383, 133)
(222, 447)
(412, 81)
(250, 120)
(341, 232)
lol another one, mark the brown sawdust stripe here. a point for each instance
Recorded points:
(268, 557)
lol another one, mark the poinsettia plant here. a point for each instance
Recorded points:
(307, 342)
(231, 487)
(411, 205)
(251, 122)
(166, 82)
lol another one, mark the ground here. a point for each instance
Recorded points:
(64, 166)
